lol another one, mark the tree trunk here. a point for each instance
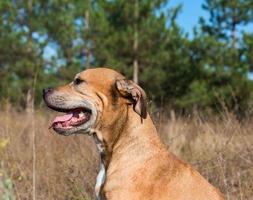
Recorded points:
(135, 45)
(234, 33)
(135, 71)
(86, 39)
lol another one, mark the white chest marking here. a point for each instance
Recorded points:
(100, 181)
(102, 173)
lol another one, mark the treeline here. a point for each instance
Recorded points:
(44, 43)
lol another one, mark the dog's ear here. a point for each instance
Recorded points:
(135, 93)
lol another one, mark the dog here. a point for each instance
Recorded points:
(134, 164)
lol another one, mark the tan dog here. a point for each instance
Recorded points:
(135, 165)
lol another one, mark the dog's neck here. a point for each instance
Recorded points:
(134, 144)
(131, 142)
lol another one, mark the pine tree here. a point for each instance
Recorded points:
(226, 17)
(28, 28)
(221, 58)
(123, 31)
(135, 38)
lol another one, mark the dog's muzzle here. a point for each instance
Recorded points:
(79, 114)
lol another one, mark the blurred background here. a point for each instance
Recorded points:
(193, 58)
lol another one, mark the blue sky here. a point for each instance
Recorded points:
(190, 13)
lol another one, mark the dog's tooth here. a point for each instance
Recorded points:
(81, 114)
(59, 125)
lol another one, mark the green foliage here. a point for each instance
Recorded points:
(222, 57)
(247, 49)
(28, 27)
(6, 184)
(208, 71)
(226, 16)
(162, 50)
(112, 29)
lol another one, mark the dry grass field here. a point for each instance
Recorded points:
(66, 167)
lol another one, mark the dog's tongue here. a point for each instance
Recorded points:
(63, 118)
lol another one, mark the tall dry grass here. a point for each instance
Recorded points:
(66, 167)
(220, 148)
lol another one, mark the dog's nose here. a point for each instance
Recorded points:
(47, 91)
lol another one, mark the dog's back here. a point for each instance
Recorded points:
(162, 176)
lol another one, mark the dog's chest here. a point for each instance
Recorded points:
(102, 171)
(100, 181)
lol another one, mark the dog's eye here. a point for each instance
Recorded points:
(78, 81)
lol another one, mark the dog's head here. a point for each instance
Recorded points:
(95, 99)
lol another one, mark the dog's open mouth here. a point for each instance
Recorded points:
(72, 118)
